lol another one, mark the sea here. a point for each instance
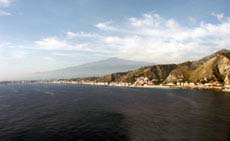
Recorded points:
(66, 112)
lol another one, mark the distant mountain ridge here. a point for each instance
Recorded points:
(98, 68)
(213, 68)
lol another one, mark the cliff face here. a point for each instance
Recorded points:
(213, 68)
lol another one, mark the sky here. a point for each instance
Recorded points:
(37, 36)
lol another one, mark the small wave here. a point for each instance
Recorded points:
(187, 100)
(49, 93)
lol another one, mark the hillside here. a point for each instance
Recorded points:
(158, 72)
(213, 68)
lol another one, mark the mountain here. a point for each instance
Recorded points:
(92, 69)
(213, 68)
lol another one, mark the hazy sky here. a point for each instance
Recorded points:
(40, 35)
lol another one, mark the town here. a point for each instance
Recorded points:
(142, 82)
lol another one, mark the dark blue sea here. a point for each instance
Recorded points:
(58, 112)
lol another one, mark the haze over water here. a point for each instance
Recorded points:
(75, 112)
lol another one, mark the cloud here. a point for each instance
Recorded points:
(3, 5)
(154, 38)
(192, 20)
(105, 26)
(51, 42)
(220, 16)
(66, 44)
(146, 20)
(112, 39)
(49, 59)
(149, 37)
(9, 54)
(62, 54)
(71, 35)
(4, 13)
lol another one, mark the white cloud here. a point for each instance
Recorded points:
(105, 26)
(71, 35)
(51, 42)
(4, 4)
(54, 43)
(149, 38)
(172, 24)
(192, 20)
(154, 38)
(146, 20)
(220, 16)
(4, 13)
(49, 59)
(61, 54)
(112, 39)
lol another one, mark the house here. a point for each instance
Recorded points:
(170, 84)
(141, 81)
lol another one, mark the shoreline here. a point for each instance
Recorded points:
(161, 86)
(215, 88)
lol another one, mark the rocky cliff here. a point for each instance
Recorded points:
(210, 69)
(214, 68)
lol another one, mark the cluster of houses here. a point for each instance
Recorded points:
(227, 88)
(145, 81)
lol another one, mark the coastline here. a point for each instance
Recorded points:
(128, 85)
(215, 88)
